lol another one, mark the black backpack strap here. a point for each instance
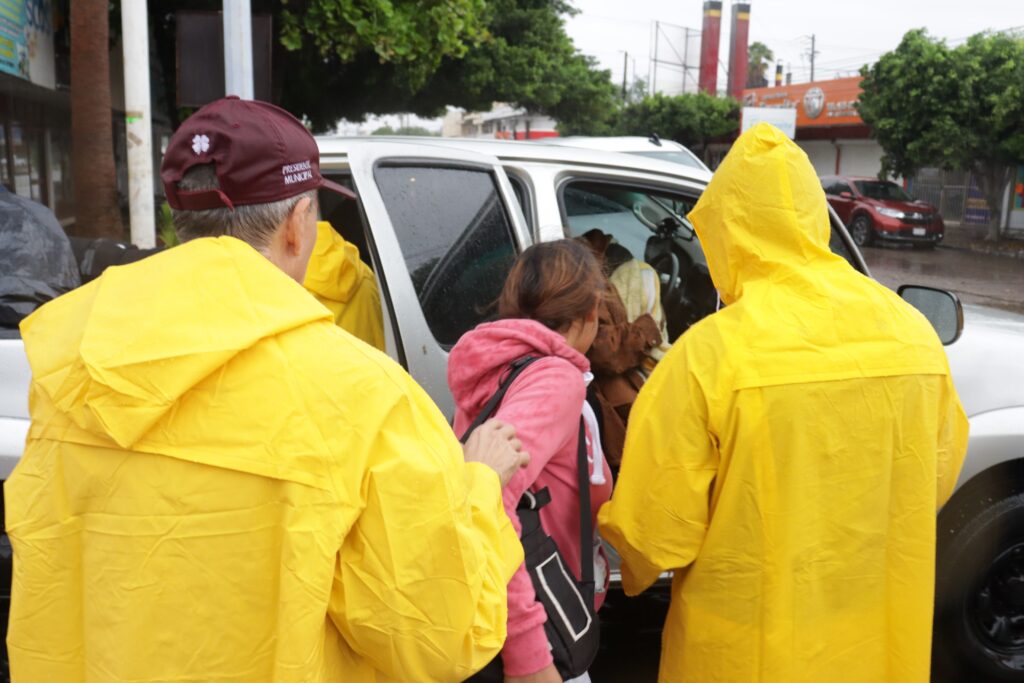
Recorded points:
(586, 524)
(492, 405)
(543, 497)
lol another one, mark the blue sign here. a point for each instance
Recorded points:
(13, 39)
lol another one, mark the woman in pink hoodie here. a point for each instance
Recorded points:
(548, 309)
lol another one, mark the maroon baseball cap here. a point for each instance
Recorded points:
(261, 152)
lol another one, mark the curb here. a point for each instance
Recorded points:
(988, 251)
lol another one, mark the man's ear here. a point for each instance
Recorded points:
(294, 226)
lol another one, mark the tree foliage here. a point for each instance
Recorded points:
(760, 58)
(693, 119)
(415, 33)
(335, 59)
(957, 108)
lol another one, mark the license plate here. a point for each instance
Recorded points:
(919, 232)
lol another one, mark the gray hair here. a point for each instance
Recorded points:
(251, 223)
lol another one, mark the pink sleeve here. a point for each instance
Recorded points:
(544, 406)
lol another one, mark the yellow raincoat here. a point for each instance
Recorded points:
(221, 485)
(344, 284)
(788, 455)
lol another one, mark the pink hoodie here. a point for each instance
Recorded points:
(544, 405)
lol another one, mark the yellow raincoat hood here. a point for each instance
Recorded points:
(787, 456)
(118, 371)
(343, 283)
(220, 484)
(766, 222)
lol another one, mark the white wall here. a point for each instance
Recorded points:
(860, 157)
(856, 157)
(822, 154)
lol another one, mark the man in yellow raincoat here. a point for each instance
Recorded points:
(343, 283)
(219, 484)
(788, 455)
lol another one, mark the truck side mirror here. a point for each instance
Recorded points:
(943, 310)
(846, 195)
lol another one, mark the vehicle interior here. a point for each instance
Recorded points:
(459, 282)
(651, 225)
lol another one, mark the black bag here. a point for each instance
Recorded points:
(572, 626)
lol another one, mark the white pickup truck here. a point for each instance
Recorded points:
(441, 220)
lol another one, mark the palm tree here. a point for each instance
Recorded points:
(97, 212)
(759, 56)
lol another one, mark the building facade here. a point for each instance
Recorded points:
(838, 142)
(35, 107)
(502, 122)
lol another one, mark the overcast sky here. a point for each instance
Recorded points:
(848, 34)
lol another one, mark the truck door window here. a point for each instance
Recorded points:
(456, 238)
(651, 226)
(345, 217)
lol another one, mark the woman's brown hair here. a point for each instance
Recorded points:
(554, 283)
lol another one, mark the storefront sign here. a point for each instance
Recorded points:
(26, 40)
(1017, 205)
(825, 103)
(976, 210)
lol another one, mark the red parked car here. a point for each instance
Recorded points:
(880, 209)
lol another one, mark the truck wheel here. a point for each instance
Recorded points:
(862, 231)
(979, 588)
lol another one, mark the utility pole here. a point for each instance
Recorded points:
(813, 53)
(138, 123)
(657, 39)
(237, 48)
(625, 67)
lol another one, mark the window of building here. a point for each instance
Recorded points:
(456, 238)
(60, 172)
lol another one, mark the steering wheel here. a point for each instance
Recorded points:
(667, 265)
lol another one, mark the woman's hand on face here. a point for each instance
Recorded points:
(548, 674)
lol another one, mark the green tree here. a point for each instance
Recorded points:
(759, 58)
(637, 91)
(693, 119)
(337, 59)
(529, 61)
(956, 108)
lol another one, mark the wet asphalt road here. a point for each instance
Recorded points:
(984, 279)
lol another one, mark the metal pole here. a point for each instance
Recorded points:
(138, 123)
(812, 57)
(657, 39)
(625, 66)
(686, 55)
(238, 48)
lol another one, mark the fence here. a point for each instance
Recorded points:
(955, 193)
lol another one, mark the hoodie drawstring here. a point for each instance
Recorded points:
(595, 454)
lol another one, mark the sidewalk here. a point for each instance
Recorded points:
(968, 237)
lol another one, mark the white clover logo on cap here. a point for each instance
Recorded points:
(200, 144)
